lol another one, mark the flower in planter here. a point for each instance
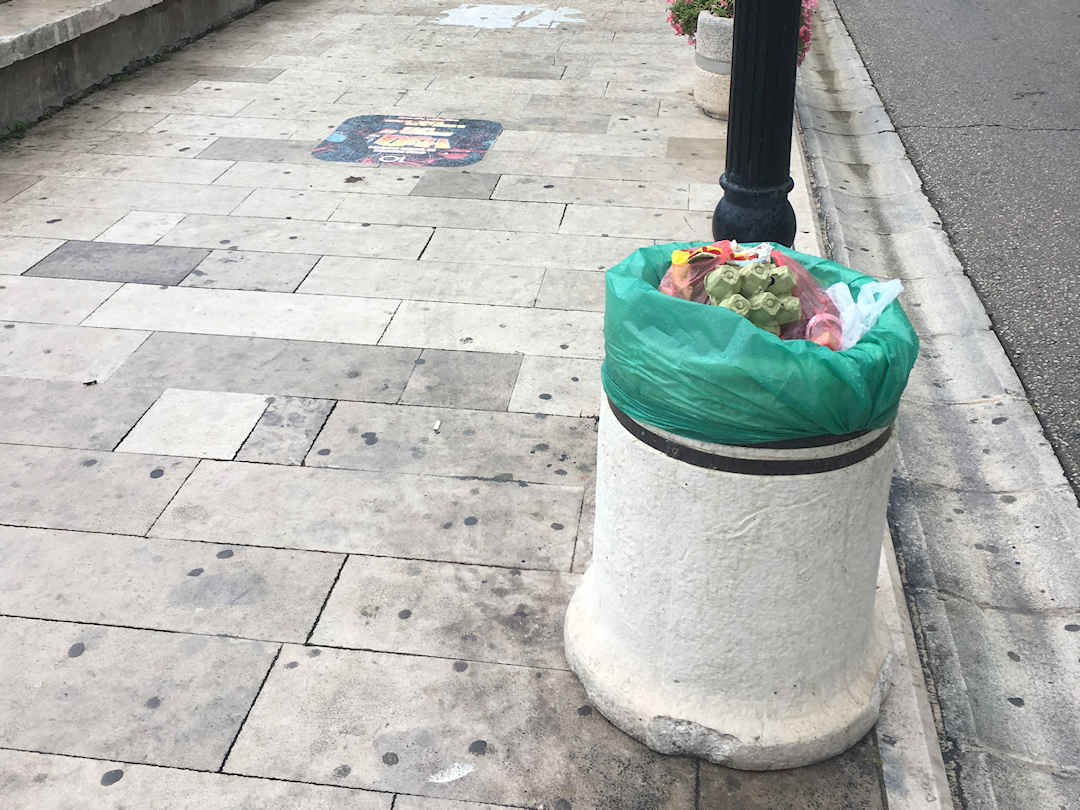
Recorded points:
(683, 16)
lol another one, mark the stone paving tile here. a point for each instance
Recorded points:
(500, 615)
(568, 121)
(462, 184)
(216, 126)
(121, 101)
(292, 236)
(647, 169)
(263, 366)
(69, 414)
(133, 695)
(20, 253)
(473, 327)
(132, 122)
(323, 176)
(577, 143)
(246, 313)
(572, 289)
(327, 113)
(116, 167)
(540, 741)
(450, 213)
(542, 104)
(86, 490)
(281, 203)
(699, 127)
(140, 228)
(938, 374)
(583, 546)
(154, 144)
(284, 433)
(49, 300)
(561, 250)
(55, 222)
(404, 802)
(462, 380)
(456, 282)
(640, 223)
(12, 184)
(72, 353)
(400, 439)
(198, 424)
(558, 385)
(160, 584)
(183, 198)
(106, 261)
(690, 149)
(49, 782)
(264, 150)
(248, 270)
(849, 781)
(705, 196)
(425, 517)
(644, 194)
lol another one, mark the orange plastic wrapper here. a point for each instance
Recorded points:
(685, 278)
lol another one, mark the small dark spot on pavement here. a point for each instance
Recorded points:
(369, 438)
(194, 572)
(90, 462)
(157, 473)
(1015, 701)
(557, 526)
(448, 525)
(1008, 499)
(341, 771)
(584, 711)
(460, 666)
(404, 614)
(1072, 628)
(1012, 656)
(324, 452)
(390, 758)
(111, 777)
(153, 702)
(562, 804)
(292, 665)
(471, 521)
(76, 649)
(314, 653)
(478, 747)
(224, 554)
(545, 396)
(998, 420)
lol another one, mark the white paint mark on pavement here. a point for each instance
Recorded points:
(452, 774)
(497, 16)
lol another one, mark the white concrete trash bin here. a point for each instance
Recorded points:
(729, 609)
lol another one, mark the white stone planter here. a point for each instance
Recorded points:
(712, 59)
(731, 615)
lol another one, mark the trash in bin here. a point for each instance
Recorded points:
(708, 373)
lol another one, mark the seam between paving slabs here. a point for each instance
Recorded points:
(955, 715)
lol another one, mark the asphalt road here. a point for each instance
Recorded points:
(985, 95)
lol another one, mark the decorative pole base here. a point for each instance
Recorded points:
(751, 215)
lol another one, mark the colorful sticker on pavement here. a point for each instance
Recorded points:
(402, 140)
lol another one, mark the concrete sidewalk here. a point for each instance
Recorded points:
(297, 456)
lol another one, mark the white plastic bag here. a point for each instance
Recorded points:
(857, 317)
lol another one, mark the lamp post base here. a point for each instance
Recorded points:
(752, 215)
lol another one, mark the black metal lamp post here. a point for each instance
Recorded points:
(757, 177)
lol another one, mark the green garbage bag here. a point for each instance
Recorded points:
(707, 373)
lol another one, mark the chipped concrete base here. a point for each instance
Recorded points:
(711, 92)
(733, 617)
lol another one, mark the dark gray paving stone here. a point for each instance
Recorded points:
(696, 148)
(462, 380)
(49, 782)
(110, 261)
(513, 735)
(86, 490)
(284, 433)
(414, 516)
(474, 612)
(161, 584)
(269, 366)
(455, 183)
(69, 414)
(87, 690)
(848, 781)
(263, 150)
(442, 441)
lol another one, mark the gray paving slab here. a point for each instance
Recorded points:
(165, 144)
(265, 150)
(558, 385)
(69, 414)
(513, 285)
(941, 373)
(1016, 785)
(286, 204)
(140, 228)
(456, 183)
(246, 313)
(268, 366)
(144, 195)
(470, 612)
(134, 695)
(197, 424)
(572, 289)
(424, 517)
(1003, 448)
(54, 221)
(49, 782)
(679, 148)
(944, 304)
(20, 253)
(285, 431)
(427, 803)
(583, 546)
(159, 584)
(500, 734)
(462, 380)
(479, 328)
(86, 490)
(449, 212)
(443, 441)
(637, 194)
(103, 261)
(248, 270)
(849, 780)
(51, 300)
(12, 184)
(71, 353)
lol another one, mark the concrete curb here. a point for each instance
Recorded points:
(975, 469)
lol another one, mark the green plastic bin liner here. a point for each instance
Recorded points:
(706, 373)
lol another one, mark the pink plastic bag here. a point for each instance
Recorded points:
(820, 321)
(687, 280)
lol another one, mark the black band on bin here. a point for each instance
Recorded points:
(753, 466)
